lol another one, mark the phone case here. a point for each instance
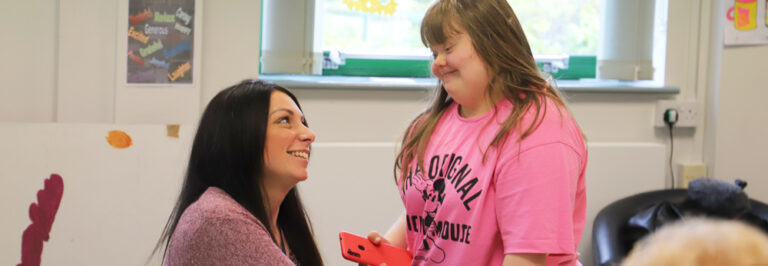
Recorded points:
(361, 250)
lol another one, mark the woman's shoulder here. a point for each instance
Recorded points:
(216, 205)
(214, 230)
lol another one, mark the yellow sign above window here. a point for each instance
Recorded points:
(371, 6)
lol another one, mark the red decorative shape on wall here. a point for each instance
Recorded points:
(42, 215)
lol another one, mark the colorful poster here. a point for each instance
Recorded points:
(746, 22)
(160, 41)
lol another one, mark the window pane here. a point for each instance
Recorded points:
(349, 29)
(569, 29)
(563, 39)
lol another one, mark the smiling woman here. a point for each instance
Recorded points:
(238, 204)
(492, 173)
(287, 145)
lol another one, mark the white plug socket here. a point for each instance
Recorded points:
(687, 110)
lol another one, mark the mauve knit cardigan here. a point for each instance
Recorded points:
(216, 230)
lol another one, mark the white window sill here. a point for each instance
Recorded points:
(394, 83)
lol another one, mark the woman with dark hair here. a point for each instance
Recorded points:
(238, 204)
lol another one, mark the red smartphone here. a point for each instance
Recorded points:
(361, 250)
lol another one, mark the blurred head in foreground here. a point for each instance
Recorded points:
(701, 242)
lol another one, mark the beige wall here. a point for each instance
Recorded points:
(741, 136)
(28, 56)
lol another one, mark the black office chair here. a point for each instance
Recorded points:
(613, 236)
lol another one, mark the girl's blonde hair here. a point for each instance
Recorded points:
(500, 42)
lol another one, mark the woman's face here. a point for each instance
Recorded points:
(462, 71)
(286, 149)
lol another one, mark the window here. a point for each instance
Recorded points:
(563, 39)
(374, 38)
(571, 28)
(381, 37)
(384, 28)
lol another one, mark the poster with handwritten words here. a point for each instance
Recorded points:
(160, 41)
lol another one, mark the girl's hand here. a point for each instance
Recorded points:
(376, 238)
(396, 233)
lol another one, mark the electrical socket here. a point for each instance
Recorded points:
(687, 113)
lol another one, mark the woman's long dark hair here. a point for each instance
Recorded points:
(228, 153)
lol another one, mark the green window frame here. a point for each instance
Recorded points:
(578, 67)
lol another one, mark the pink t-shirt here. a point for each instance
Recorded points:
(529, 198)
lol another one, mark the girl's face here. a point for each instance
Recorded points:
(286, 151)
(463, 73)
